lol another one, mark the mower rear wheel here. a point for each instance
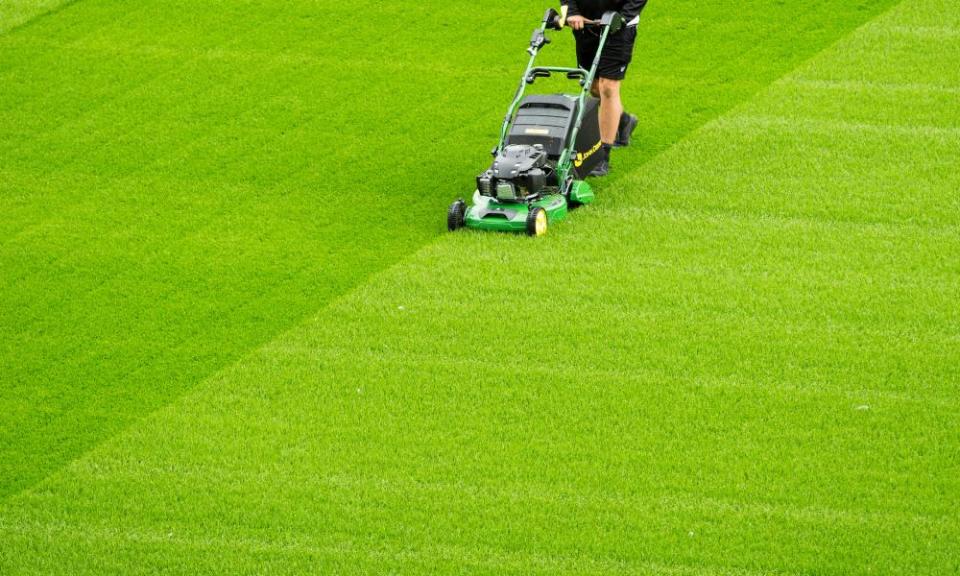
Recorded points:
(456, 215)
(536, 221)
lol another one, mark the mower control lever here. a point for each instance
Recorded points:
(537, 41)
(580, 75)
(612, 19)
(553, 20)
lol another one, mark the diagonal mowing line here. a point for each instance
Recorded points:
(38, 16)
(416, 252)
(196, 334)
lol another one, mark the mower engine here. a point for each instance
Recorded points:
(518, 174)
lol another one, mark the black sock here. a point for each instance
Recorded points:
(606, 150)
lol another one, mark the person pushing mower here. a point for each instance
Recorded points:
(616, 125)
(550, 143)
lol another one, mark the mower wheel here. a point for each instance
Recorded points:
(456, 215)
(536, 221)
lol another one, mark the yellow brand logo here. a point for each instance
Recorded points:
(582, 157)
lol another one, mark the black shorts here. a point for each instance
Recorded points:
(617, 53)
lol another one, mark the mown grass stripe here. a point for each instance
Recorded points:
(856, 86)
(220, 479)
(934, 32)
(436, 556)
(747, 122)
(824, 390)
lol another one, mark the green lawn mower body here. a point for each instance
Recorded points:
(548, 145)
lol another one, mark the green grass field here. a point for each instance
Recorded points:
(236, 339)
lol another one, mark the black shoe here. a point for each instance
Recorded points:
(627, 123)
(603, 167)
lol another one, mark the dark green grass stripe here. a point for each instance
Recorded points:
(155, 368)
(131, 172)
(39, 12)
(27, 43)
(129, 88)
(149, 373)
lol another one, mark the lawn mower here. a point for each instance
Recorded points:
(548, 145)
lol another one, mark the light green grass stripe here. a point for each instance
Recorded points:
(820, 391)
(766, 123)
(421, 559)
(220, 479)
(858, 86)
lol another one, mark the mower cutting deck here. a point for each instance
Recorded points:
(548, 145)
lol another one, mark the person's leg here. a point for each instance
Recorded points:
(616, 60)
(610, 111)
(611, 108)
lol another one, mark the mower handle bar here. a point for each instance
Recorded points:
(614, 20)
(611, 23)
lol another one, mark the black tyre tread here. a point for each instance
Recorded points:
(455, 215)
(532, 220)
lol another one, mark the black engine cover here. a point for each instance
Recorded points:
(516, 160)
(548, 120)
(518, 172)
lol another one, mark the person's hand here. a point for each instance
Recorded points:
(576, 22)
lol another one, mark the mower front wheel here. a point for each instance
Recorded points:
(536, 221)
(456, 215)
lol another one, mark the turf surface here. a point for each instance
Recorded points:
(184, 181)
(15, 13)
(744, 359)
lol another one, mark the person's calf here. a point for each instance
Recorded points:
(610, 109)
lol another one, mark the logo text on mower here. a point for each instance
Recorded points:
(582, 156)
